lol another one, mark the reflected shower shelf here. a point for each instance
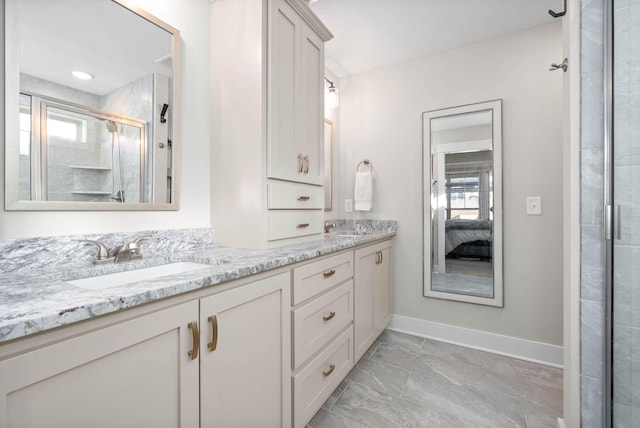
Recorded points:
(95, 168)
(89, 192)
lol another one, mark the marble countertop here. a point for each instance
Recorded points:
(38, 300)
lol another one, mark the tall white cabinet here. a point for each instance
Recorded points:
(267, 73)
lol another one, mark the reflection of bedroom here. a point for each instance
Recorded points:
(468, 226)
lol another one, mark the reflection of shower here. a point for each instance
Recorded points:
(114, 128)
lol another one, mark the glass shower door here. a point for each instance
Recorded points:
(624, 161)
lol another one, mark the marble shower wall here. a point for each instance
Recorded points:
(592, 263)
(120, 102)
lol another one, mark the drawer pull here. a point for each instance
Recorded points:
(193, 353)
(329, 274)
(304, 198)
(332, 367)
(302, 225)
(328, 317)
(213, 319)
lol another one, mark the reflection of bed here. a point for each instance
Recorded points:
(468, 238)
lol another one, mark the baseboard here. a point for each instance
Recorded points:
(561, 423)
(528, 350)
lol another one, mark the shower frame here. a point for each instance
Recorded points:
(39, 155)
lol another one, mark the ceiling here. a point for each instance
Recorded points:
(370, 34)
(100, 37)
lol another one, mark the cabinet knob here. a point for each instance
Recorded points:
(195, 334)
(304, 198)
(302, 225)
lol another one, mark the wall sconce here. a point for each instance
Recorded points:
(331, 96)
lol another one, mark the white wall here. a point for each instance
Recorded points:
(192, 19)
(381, 119)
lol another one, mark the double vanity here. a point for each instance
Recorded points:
(190, 335)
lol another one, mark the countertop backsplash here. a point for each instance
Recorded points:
(27, 254)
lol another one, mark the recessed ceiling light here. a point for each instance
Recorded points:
(83, 75)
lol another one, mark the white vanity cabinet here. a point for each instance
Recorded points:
(322, 314)
(135, 373)
(245, 356)
(161, 369)
(267, 74)
(373, 294)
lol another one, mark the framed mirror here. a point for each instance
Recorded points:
(462, 194)
(328, 164)
(91, 107)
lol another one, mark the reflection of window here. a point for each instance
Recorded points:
(66, 126)
(463, 196)
(25, 130)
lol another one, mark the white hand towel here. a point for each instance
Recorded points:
(363, 194)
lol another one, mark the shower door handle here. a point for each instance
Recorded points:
(612, 222)
(616, 223)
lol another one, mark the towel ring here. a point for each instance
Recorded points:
(365, 162)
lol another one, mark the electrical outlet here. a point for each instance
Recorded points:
(534, 205)
(348, 205)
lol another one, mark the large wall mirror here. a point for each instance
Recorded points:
(91, 106)
(462, 190)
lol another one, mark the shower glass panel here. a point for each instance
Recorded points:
(72, 153)
(624, 154)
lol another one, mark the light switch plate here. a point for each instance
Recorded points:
(348, 205)
(534, 205)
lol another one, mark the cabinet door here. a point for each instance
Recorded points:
(372, 295)
(245, 377)
(296, 105)
(311, 101)
(382, 297)
(133, 374)
(284, 159)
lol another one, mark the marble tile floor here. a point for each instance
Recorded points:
(408, 381)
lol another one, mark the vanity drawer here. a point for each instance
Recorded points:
(286, 195)
(316, 277)
(315, 323)
(317, 381)
(283, 225)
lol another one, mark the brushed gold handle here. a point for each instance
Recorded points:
(304, 198)
(329, 274)
(213, 319)
(328, 317)
(195, 334)
(332, 367)
(302, 225)
(300, 163)
(306, 164)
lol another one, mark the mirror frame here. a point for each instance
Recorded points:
(495, 107)
(12, 96)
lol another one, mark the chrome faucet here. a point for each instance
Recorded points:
(328, 226)
(122, 253)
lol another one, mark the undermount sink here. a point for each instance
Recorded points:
(111, 280)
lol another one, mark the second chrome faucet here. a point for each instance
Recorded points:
(122, 253)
